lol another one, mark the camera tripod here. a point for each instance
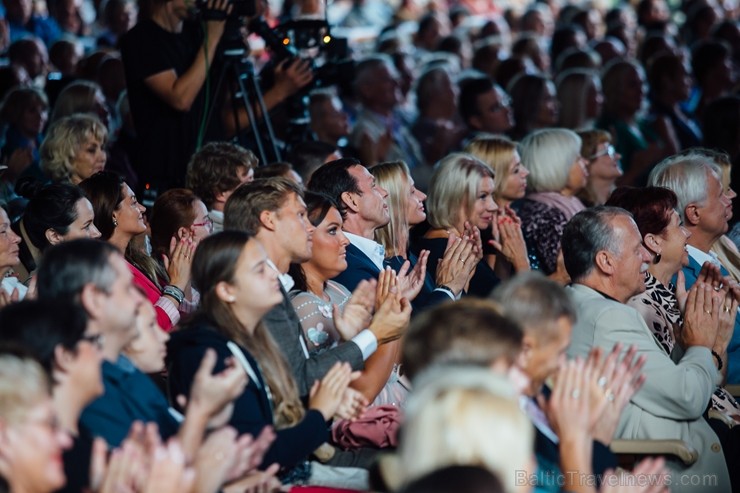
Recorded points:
(243, 82)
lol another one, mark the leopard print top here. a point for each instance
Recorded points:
(659, 307)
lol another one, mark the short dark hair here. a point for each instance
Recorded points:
(214, 169)
(651, 207)
(243, 209)
(273, 170)
(705, 55)
(53, 207)
(309, 155)
(535, 302)
(333, 179)
(470, 89)
(466, 332)
(586, 234)
(42, 325)
(68, 267)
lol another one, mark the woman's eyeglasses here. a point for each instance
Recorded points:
(207, 223)
(609, 151)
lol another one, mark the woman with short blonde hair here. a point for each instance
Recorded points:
(557, 174)
(466, 416)
(460, 204)
(453, 191)
(502, 156)
(74, 149)
(31, 443)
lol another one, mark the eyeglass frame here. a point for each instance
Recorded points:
(208, 223)
(609, 151)
(94, 339)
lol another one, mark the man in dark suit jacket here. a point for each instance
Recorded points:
(273, 210)
(363, 205)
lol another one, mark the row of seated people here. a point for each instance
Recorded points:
(303, 312)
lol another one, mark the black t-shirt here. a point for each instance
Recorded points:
(166, 137)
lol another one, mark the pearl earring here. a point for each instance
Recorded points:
(115, 223)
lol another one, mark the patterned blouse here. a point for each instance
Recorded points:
(317, 321)
(659, 307)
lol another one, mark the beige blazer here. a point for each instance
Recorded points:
(671, 402)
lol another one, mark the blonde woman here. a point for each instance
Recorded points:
(74, 149)
(502, 156)
(31, 442)
(461, 205)
(557, 174)
(466, 416)
(406, 209)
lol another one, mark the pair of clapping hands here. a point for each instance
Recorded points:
(587, 400)
(189, 463)
(709, 309)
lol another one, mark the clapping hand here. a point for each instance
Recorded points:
(410, 283)
(358, 310)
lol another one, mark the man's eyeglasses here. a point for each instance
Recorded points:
(207, 223)
(94, 339)
(609, 151)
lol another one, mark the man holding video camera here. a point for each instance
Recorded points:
(168, 57)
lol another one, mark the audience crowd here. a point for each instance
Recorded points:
(492, 249)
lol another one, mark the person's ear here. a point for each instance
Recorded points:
(92, 301)
(183, 232)
(267, 219)
(225, 292)
(653, 243)
(605, 262)
(63, 358)
(692, 215)
(475, 122)
(528, 344)
(219, 196)
(348, 198)
(53, 237)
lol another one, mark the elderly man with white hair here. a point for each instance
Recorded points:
(606, 260)
(704, 209)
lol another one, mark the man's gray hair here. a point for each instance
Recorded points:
(685, 175)
(586, 234)
(534, 302)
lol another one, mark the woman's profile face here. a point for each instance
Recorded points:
(484, 208)
(415, 198)
(89, 158)
(149, 349)
(83, 226)
(130, 213)
(329, 255)
(549, 110)
(255, 287)
(34, 449)
(202, 225)
(9, 242)
(34, 118)
(515, 182)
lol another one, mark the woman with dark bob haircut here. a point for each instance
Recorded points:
(57, 213)
(663, 305)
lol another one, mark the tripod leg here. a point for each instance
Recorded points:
(261, 101)
(252, 117)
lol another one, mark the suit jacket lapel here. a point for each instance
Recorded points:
(357, 255)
